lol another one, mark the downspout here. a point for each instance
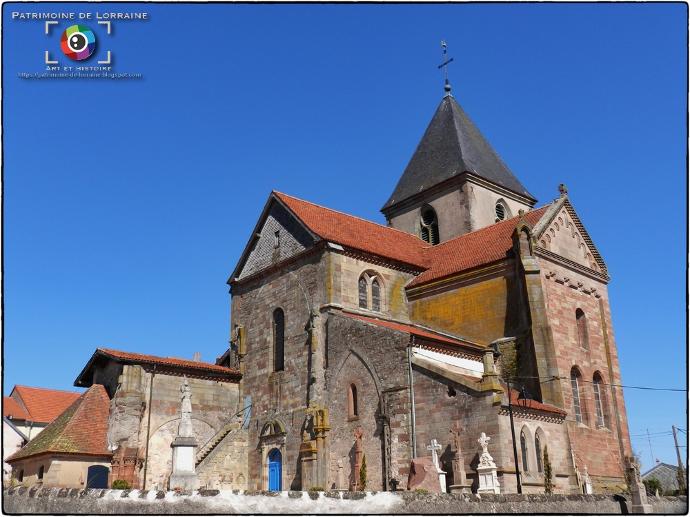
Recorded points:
(413, 423)
(148, 427)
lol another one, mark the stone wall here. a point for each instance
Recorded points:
(441, 404)
(553, 435)
(280, 396)
(479, 310)
(213, 405)
(374, 360)
(280, 238)
(595, 446)
(225, 467)
(344, 273)
(120, 502)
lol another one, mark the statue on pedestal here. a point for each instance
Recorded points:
(184, 445)
(486, 470)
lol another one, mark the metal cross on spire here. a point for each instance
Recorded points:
(444, 65)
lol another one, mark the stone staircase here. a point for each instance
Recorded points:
(214, 441)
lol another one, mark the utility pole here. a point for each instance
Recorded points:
(649, 440)
(681, 470)
(512, 432)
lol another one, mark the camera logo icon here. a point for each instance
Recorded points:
(78, 42)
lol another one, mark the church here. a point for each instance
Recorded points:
(475, 316)
(474, 306)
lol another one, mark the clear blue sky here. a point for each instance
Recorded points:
(127, 203)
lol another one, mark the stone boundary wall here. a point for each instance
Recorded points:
(24, 500)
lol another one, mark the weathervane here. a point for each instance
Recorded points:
(444, 65)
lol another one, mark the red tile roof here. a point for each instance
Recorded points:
(166, 361)
(82, 428)
(43, 404)
(533, 404)
(465, 252)
(353, 232)
(473, 249)
(412, 329)
(12, 409)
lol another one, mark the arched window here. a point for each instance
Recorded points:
(538, 452)
(40, 472)
(278, 340)
(369, 290)
(352, 403)
(429, 225)
(375, 295)
(582, 333)
(363, 301)
(599, 400)
(575, 385)
(523, 449)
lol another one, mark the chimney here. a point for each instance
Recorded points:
(196, 357)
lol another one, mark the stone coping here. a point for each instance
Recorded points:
(46, 500)
(38, 491)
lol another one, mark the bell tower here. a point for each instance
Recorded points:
(455, 182)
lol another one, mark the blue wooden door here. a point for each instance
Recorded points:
(275, 470)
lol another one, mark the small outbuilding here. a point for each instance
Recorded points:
(71, 452)
(666, 474)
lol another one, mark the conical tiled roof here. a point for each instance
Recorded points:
(451, 145)
(80, 429)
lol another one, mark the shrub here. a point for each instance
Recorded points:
(121, 484)
(363, 473)
(548, 473)
(652, 485)
(317, 489)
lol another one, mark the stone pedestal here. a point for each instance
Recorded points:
(488, 480)
(638, 494)
(184, 458)
(442, 481)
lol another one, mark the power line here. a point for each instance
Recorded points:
(580, 379)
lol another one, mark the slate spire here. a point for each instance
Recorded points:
(452, 145)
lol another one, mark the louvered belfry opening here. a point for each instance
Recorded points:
(429, 226)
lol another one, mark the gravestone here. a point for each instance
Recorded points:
(460, 484)
(434, 447)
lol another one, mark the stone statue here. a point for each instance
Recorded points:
(485, 459)
(184, 446)
(359, 452)
(185, 428)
